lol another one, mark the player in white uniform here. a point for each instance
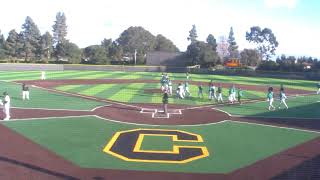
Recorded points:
(6, 106)
(181, 91)
(270, 98)
(283, 98)
(25, 92)
(43, 75)
(170, 87)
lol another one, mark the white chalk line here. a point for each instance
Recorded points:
(274, 117)
(154, 125)
(280, 127)
(154, 112)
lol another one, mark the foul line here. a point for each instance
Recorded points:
(110, 120)
(281, 127)
(273, 117)
(154, 125)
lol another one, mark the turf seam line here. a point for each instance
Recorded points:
(87, 97)
(48, 109)
(27, 119)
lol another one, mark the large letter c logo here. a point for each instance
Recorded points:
(126, 145)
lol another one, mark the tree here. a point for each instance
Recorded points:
(193, 34)
(265, 39)
(136, 39)
(46, 44)
(59, 34)
(250, 57)
(212, 41)
(72, 52)
(222, 47)
(11, 44)
(233, 47)
(106, 44)
(95, 54)
(2, 47)
(115, 51)
(31, 36)
(203, 54)
(164, 44)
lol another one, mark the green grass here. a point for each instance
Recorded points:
(33, 75)
(231, 145)
(135, 93)
(43, 99)
(299, 107)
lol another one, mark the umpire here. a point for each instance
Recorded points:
(165, 100)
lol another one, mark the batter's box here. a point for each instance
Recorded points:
(160, 114)
(146, 110)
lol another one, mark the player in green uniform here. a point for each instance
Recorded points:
(200, 89)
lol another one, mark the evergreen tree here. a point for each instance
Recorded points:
(212, 41)
(11, 44)
(31, 36)
(233, 47)
(46, 46)
(59, 35)
(193, 34)
(2, 48)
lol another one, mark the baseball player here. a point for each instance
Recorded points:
(43, 75)
(283, 98)
(162, 82)
(187, 75)
(165, 100)
(25, 92)
(6, 106)
(169, 87)
(270, 98)
(180, 91)
(240, 94)
(186, 89)
(200, 89)
(219, 91)
(212, 89)
(232, 93)
(318, 86)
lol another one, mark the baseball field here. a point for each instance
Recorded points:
(111, 126)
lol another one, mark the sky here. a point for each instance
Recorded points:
(295, 23)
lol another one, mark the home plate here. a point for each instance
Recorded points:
(160, 114)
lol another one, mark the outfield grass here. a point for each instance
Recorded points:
(33, 75)
(135, 93)
(299, 107)
(231, 145)
(40, 98)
